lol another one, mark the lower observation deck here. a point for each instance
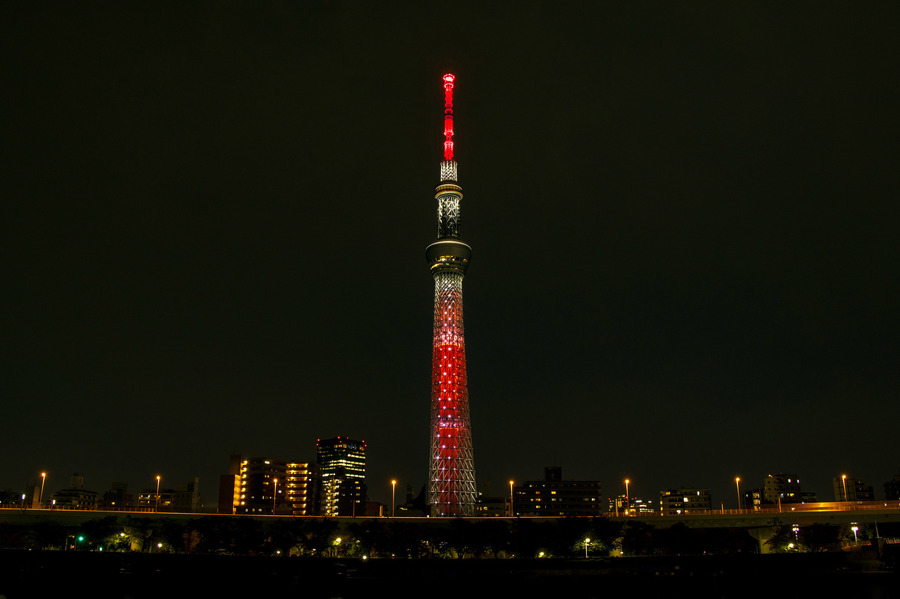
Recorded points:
(448, 255)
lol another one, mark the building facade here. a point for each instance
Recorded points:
(184, 498)
(892, 488)
(342, 463)
(782, 488)
(259, 492)
(852, 489)
(76, 496)
(675, 502)
(554, 496)
(302, 490)
(266, 485)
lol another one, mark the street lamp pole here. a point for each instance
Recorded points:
(511, 511)
(627, 503)
(393, 496)
(158, 478)
(844, 482)
(274, 495)
(737, 483)
(43, 480)
(586, 543)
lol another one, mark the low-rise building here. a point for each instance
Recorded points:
(184, 498)
(487, 506)
(554, 496)
(76, 496)
(783, 488)
(676, 502)
(851, 489)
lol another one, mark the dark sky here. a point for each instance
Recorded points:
(684, 222)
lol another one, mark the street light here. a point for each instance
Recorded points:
(586, 542)
(393, 496)
(737, 482)
(627, 503)
(158, 478)
(844, 481)
(274, 494)
(43, 480)
(511, 512)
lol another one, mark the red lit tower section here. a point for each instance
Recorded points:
(451, 490)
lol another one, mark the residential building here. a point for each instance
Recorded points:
(783, 488)
(184, 498)
(302, 492)
(230, 486)
(554, 496)
(118, 497)
(76, 496)
(851, 489)
(754, 498)
(487, 506)
(676, 502)
(259, 492)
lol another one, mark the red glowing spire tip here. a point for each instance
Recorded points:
(448, 116)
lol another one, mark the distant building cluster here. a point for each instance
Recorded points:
(333, 485)
(554, 496)
(181, 498)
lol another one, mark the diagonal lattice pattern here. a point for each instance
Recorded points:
(452, 469)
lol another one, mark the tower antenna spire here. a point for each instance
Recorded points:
(448, 116)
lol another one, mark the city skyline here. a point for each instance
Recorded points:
(747, 494)
(682, 221)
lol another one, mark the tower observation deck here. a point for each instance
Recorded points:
(451, 488)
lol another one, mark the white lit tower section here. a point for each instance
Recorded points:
(451, 490)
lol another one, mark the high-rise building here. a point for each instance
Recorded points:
(451, 470)
(230, 486)
(269, 486)
(302, 490)
(342, 462)
(259, 493)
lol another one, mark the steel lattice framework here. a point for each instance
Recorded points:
(451, 490)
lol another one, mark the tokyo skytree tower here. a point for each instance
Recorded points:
(451, 489)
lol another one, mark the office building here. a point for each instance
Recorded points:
(342, 464)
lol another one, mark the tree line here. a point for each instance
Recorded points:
(402, 538)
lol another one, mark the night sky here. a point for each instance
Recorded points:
(683, 216)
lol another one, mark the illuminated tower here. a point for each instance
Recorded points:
(451, 490)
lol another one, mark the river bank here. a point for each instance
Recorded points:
(137, 576)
